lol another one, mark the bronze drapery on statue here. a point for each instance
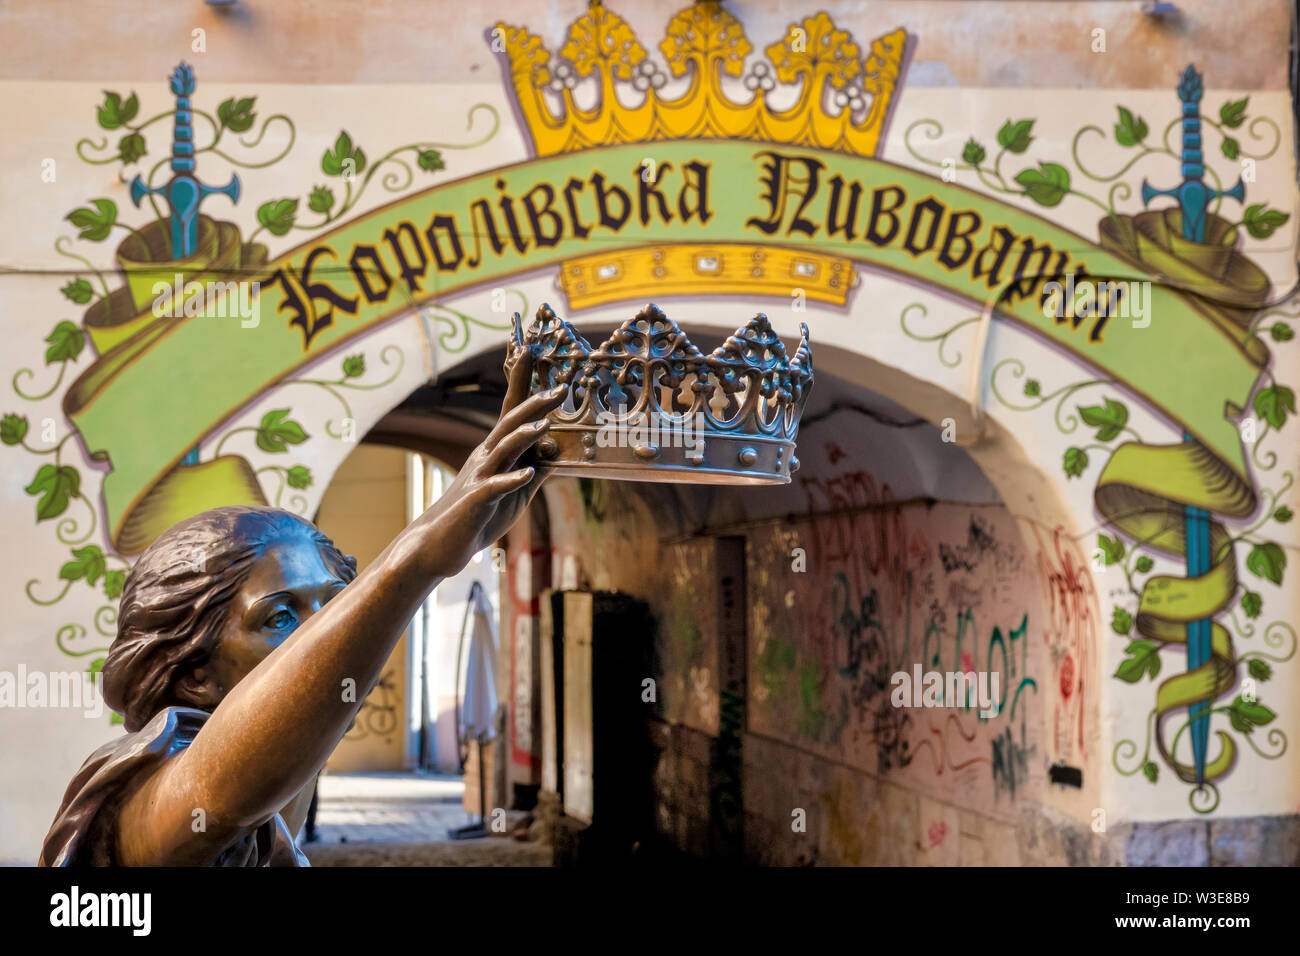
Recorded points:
(84, 831)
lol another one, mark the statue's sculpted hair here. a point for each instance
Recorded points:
(175, 600)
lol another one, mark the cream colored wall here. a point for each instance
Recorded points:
(439, 41)
(363, 509)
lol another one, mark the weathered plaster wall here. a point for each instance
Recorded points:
(890, 549)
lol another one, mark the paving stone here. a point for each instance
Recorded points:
(405, 819)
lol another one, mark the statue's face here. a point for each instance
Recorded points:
(286, 585)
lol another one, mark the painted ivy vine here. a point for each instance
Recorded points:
(234, 134)
(1096, 405)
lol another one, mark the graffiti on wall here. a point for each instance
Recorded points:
(1069, 635)
(862, 588)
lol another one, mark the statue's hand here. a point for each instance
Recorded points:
(489, 493)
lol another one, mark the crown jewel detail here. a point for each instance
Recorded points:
(647, 405)
(843, 97)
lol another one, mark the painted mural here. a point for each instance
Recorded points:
(1106, 274)
(1194, 501)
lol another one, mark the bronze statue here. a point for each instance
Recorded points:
(246, 644)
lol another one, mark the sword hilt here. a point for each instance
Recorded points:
(139, 189)
(230, 189)
(184, 192)
(182, 85)
(1192, 194)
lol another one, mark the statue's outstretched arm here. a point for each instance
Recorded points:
(274, 730)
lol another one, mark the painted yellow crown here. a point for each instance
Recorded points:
(842, 102)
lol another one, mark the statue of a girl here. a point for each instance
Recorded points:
(246, 644)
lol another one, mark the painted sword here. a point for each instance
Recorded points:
(184, 193)
(1194, 198)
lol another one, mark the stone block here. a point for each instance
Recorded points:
(1178, 843)
(1255, 841)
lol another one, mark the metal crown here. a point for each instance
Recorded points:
(647, 405)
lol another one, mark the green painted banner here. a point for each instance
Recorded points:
(157, 392)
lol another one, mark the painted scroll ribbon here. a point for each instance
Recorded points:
(126, 325)
(1145, 489)
(313, 300)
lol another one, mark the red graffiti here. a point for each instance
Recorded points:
(937, 744)
(1067, 676)
(1069, 632)
(868, 543)
(938, 831)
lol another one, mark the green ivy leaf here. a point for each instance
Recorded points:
(114, 113)
(276, 433)
(331, 163)
(114, 581)
(1272, 404)
(1283, 514)
(95, 667)
(1281, 332)
(78, 291)
(430, 160)
(56, 485)
(1261, 222)
(321, 200)
(116, 718)
(1130, 131)
(299, 476)
(1251, 604)
(1150, 771)
(1245, 715)
(1267, 560)
(13, 429)
(1144, 564)
(1232, 114)
(66, 342)
(237, 115)
(95, 224)
(1109, 419)
(1111, 548)
(1121, 622)
(1033, 389)
(1144, 658)
(131, 148)
(1015, 137)
(277, 215)
(88, 564)
(1259, 669)
(1046, 185)
(1230, 147)
(1076, 460)
(354, 366)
